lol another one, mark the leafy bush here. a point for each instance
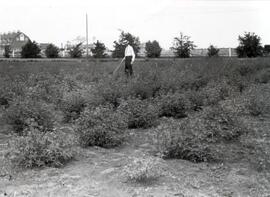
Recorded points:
(44, 87)
(30, 50)
(172, 105)
(143, 87)
(110, 92)
(197, 138)
(52, 51)
(143, 169)
(140, 113)
(221, 125)
(5, 94)
(263, 76)
(196, 99)
(249, 45)
(124, 39)
(182, 141)
(212, 51)
(75, 51)
(99, 50)
(12, 87)
(7, 51)
(101, 126)
(215, 92)
(153, 49)
(22, 112)
(258, 99)
(182, 46)
(266, 49)
(38, 149)
(245, 70)
(196, 84)
(72, 105)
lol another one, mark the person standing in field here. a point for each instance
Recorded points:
(129, 60)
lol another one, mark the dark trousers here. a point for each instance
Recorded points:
(128, 66)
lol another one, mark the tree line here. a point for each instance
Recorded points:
(249, 46)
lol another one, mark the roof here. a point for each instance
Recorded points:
(13, 39)
(43, 46)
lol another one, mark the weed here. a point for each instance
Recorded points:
(143, 169)
(101, 126)
(38, 149)
(140, 113)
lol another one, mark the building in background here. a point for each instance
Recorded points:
(223, 52)
(15, 40)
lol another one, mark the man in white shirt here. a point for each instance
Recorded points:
(129, 59)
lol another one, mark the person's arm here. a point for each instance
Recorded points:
(133, 56)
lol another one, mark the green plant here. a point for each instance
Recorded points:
(99, 50)
(144, 88)
(143, 168)
(52, 51)
(258, 99)
(215, 91)
(38, 149)
(7, 51)
(200, 137)
(22, 112)
(110, 92)
(249, 45)
(245, 70)
(30, 50)
(263, 76)
(212, 51)
(101, 126)
(140, 113)
(172, 105)
(75, 51)
(182, 141)
(196, 99)
(44, 87)
(152, 49)
(266, 49)
(72, 105)
(124, 39)
(182, 46)
(221, 125)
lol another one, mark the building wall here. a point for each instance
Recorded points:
(15, 40)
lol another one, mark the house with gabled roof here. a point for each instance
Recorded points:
(15, 40)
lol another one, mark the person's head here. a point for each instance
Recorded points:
(127, 42)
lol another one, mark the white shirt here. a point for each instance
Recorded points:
(130, 52)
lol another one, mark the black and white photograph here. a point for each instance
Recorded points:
(135, 98)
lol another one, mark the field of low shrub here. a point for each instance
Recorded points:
(189, 104)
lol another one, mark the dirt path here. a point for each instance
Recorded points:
(98, 172)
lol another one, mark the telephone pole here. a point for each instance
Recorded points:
(86, 35)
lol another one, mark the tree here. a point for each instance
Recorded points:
(182, 46)
(7, 51)
(153, 49)
(75, 51)
(52, 51)
(98, 50)
(30, 50)
(212, 51)
(249, 45)
(266, 49)
(124, 39)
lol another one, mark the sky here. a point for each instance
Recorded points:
(217, 22)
